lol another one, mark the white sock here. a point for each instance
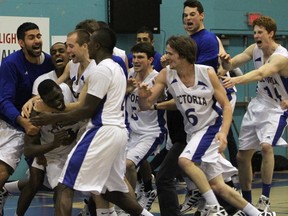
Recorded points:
(12, 187)
(249, 209)
(104, 212)
(210, 198)
(112, 212)
(189, 183)
(146, 213)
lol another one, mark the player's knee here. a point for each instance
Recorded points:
(266, 149)
(242, 158)
(217, 187)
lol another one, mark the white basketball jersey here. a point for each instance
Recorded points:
(150, 121)
(273, 88)
(197, 103)
(108, 82)
(77, 86)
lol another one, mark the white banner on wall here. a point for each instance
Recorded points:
(58, 38)
(8, 29)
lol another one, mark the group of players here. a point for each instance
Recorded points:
(100, 123)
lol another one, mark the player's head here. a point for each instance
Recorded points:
(77, 44)
(184, 46)
(193, 16)
(102, 40)
(144, 35)
(51, 94)
(143, 54)
(30, 39)
(266, 22)
(24, 27)
(59, 55)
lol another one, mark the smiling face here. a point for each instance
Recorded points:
(192, 20)
(172, 57)
(32, 43)
(75, 51)
(59, 55)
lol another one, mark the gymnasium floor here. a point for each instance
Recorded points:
(42, 203)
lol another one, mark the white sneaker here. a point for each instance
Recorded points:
(3, 196)
(122, 213)
(213, 210)
(263, 204)
(239, 213)
(200, 207)
(191, 200)
(139, 190)
(267, 214)
(147, 200)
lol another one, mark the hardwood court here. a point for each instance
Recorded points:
(42, 204)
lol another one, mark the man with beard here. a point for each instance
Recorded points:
(18, 71)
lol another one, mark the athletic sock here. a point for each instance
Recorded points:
(249, 209)
(104, 212)
(210, 198)
(12, 187)
(247, 195)
(266, 190)
(112, 211)
(145, 212)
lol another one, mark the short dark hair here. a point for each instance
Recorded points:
(184, 46)
(83, 36)
(144, 48)
(89, 25)
(103, 24)
(46, 86)
(145, 29)
(22, 29)
(106, 38)
(194, 4)
(267, 22)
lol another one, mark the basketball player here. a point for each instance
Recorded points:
(195, 89)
